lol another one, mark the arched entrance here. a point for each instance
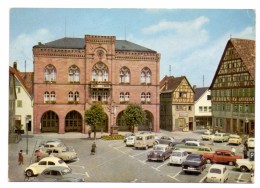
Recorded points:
(73, 122)
(148, 125)
(120, 122)
(50, 122)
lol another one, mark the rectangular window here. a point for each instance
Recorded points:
(19, 103)
(205, 108)
(208, 97)
(183, 95)
(200, 109)
(18, 89)
(209, 108)
(190, 108)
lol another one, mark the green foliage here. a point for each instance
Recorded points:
(134, 115)
(95, 115)
(114, 137)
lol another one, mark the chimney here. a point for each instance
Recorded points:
(166, 85)
(15, 65)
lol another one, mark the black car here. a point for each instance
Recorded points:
(194, 163)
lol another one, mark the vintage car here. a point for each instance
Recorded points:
(130, 141)
(207, 136)
(245, 165)
(37, 168)
(189, 146)
(221, 137)
(217, 174)
(251, 143)
(127, 135)
(59, 173)
(178, 157)
(194, 163)
(165, 140)
(234, 139)
(160, 152)
(144, 141)
(61, 152)
(51, 144)
(221, 156)
(203, 149)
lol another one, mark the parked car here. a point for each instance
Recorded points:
(203, 149)
(178, 157)
(59, 173)
(207, 136)
(194, 163)
(251, 143)
(165, 140)
(130, 141)
(61, 152)
(221, 156)
(189, 146)
(43, 142)
(160, 152)
(221, 137)
(234, 139)
(144, 141)
(37, 168)
(217, 174)
(245, 165)
(127, 135)
(51, 144)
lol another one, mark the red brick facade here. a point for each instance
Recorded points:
(109, 56)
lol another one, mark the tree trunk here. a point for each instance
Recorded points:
(94, 132)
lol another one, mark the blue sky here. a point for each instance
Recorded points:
(191, 41)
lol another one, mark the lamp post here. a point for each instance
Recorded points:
(26, 125)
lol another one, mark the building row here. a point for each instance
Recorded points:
(71, 74)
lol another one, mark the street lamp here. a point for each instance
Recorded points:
(27, 117)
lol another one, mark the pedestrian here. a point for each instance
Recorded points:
(245, 153)
(20, 157)
(89, 132)
(233, 150)
(93, 148)
(246, 145)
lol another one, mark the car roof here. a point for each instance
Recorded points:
(223, 150)
(162, 145)
(56, 168)
(50, 158)
(179, 151)
(195, 155)
(218, 166)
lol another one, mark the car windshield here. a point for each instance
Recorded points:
(157, 148)
(139, 138)
(251, 140)
(130, 138)
(234, 136)
(215, 171)
(66, 171)
(193, 158)
(176, 154)
(60, 161)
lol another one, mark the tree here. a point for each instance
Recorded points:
(95, 116)
(134, 115)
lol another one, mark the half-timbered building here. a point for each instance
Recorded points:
(233, 88)
(176, 104)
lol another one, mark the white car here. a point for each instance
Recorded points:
(251, 143)
(178, 157)
(130, 141)
(217, 174)
(37, 168)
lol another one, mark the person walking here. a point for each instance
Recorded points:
(245, 153)
(93, 148)
(20, 157)
(233, 150)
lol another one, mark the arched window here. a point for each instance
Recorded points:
(143, 97)
(53, 96)
(122, 97)
(50, 73)
(100, 72)
(70, 96)
(124, 75)
(73, 74)
(148, 97)
(146, 76)
(127, 96)
(46, 96)
(76, 96)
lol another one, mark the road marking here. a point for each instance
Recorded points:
(141, 153)
(87, 174)
(203, 178)
(119, 147)
(238, 179)
(173, 178)
(155, 168)
(177, 174)
(80, 166)
(134, 181)
(162, 165)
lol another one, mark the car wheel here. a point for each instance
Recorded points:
(208, 161)
(230, 163)
(243, 168)
(29, 173)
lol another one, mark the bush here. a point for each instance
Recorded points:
(114, 137)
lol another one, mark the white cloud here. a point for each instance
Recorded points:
(21, 47)
(178, 27)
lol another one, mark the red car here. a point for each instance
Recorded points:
(221, 156)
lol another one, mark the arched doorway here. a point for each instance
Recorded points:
(73, 122)
(148, 124)
(120, 122)
(50, 122)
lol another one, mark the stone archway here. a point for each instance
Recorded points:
(148, 124)
(120, 122)
(73, 122)
(50, 122)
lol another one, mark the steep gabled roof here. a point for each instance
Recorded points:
(170, 84)
(199, 92)
(246, 50)
(79, 43)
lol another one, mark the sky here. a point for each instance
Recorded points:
(190, 41)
